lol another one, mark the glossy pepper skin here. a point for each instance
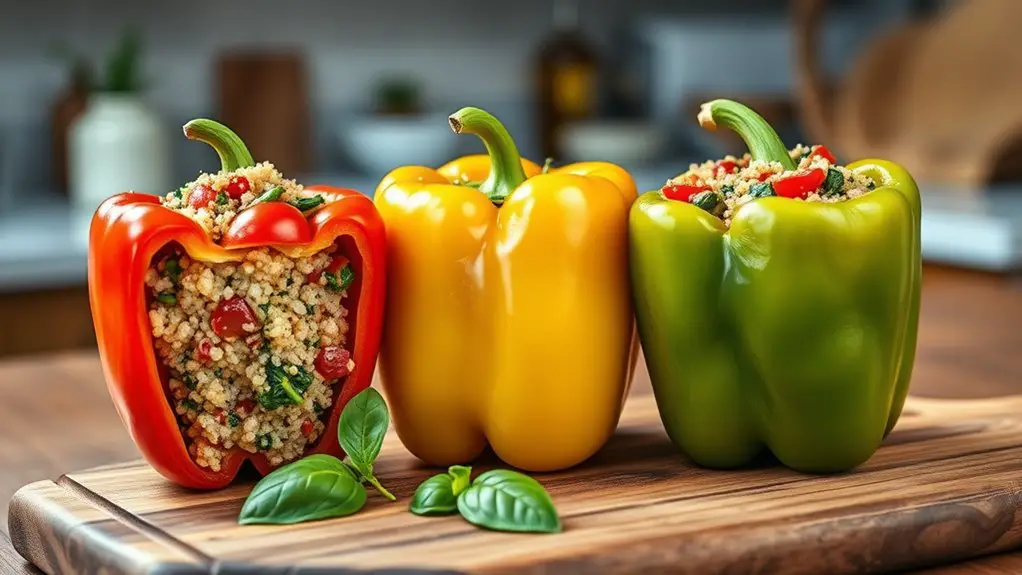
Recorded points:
(793, 332)
(126, 233)
(509, 319)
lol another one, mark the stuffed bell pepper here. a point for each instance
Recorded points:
(777, 299)
(509, 318)
(236, 315)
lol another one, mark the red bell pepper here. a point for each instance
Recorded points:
(127, 232)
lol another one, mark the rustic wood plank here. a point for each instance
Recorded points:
(944, 487)
(57, 407)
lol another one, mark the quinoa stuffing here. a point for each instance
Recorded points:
(720, 187)
(214, 200)
(254, 350)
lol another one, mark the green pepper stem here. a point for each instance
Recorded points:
(763, 142)
(231, 149)
(506, 172)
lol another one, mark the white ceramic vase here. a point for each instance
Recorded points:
(118, 144)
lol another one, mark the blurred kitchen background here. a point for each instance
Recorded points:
(93, 94)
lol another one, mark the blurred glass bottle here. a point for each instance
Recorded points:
(567, 74)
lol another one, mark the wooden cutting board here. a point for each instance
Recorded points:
(945, 487)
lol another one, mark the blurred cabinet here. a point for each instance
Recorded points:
(45, 320)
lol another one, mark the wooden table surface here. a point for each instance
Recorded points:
(56, 416)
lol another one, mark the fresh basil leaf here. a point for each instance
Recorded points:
(315, 487)
(435, 496)
(347, 276)
(360, 431)
(505, 500)
(461, 476)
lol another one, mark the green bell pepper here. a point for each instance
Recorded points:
(792, 331)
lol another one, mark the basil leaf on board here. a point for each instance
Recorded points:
(315, 487)
(435, 496)
(360, 431)
(505, 500)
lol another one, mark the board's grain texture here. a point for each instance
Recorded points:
(946, 486)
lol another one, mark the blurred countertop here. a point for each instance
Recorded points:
(43, 244)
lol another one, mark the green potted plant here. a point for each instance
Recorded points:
(119, 143)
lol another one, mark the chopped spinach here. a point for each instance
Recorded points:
(167, 297)
(285, 389)
(727, 189)
(834, 182)
(761, 190)
(264, 442)
(179, 193)
(189, 405)
(265, 307)
(306, 204)
(189, 381)
(341, 280)
(222, 199)
(234, 420)
(710, 202)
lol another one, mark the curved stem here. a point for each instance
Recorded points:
(376, 483)
(232, 151)
(761, 139)
(506, 172)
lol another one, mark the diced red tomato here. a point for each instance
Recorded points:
(682, 192)
(244, 407)
(800, 185)
(336, 264)
(727, 166)
(229, 317)
(307, 428)
(237, 186)
(332, 362)
(200, 196)
(824, 153)
(203, 353)
(221, 415)
(763, 177)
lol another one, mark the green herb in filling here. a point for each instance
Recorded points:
(189, 381)
(234, 420)
(711, 202)
(264, 442)
(189, 405)
(834, 182)
(271, 195)
(222, 199)
(341, 281)
(284, 388)
(761, 190)
(172, 268)
(166, 297)
(727, 189)
(306, 204)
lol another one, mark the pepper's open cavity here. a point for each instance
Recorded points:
(253, 353)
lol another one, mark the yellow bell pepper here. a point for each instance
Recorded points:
(508, 318)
